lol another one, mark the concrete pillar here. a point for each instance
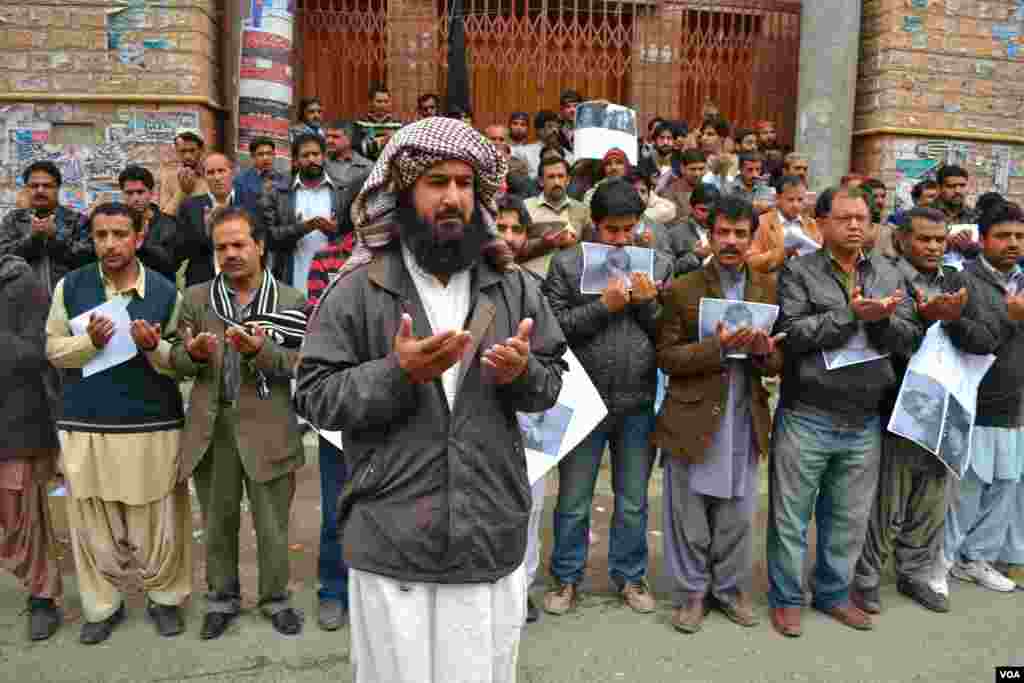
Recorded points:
(829, 47)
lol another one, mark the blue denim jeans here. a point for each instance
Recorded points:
(333, 570)
(819, 464)
(628, 438)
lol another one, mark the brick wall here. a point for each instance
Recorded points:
(942, 65)
(87, 84)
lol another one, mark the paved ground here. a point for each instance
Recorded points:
(601, 642)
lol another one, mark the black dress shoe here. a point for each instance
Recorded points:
(215, 623)
(44, 618)
(167, 618)
(532, 613)
(923, 595)
(287, 622)
(95, 632)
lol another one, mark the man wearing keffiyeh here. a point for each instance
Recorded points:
(421, 351)
(239, 336)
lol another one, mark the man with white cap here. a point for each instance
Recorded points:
(422, 351)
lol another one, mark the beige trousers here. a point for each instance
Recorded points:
(117, 545)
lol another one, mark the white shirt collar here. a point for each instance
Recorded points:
(299, 185)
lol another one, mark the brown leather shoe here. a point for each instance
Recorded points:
(638, 597)
(786, 621)
(740, 611)
(689, 617)
(852, 616)
(562, 600)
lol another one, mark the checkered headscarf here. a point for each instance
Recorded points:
(407, 156)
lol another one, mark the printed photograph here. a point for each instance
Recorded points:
(919, 411)
(733, 315)
(857, 350)
(603, 263)
(545, 431)
(956, 437)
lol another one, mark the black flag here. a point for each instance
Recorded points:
(458, 63)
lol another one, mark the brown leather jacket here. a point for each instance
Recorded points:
(699, 381)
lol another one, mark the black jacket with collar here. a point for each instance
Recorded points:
(616, 349)
(436, 494)
(284, 231)
(815, 315)
(985, 327)
(192, 239)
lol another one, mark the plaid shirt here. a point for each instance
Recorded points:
(326, 264)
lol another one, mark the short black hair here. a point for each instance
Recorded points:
(303, 138)
(705, 194)
(508, 202)
(748, 157)
(422, 99)
(519, 116)
(665, 127)
(568, 96)
(305, 104)
(874, 184)
(682, 128)
(262, 141)
(544, 163)
(823, 207)
(919, 189)
(921, 213)
(47, 167)
(654, 123)
(986, 200)
(718, 123)
(118, 209)
(137, 173)
(951, 171)
(235, 213)
(998, 213)
(692, 156)
(614, 198)
(788, 181)
(542, 117)
(744, 132)
(378, 88)
(733, 208)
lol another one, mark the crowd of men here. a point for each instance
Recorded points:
(415, 287)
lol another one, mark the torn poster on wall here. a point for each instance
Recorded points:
(158, 127)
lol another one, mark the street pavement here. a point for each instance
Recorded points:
(602, 641)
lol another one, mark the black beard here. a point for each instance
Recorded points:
(446, 258)
(313, 172)
(665, 150)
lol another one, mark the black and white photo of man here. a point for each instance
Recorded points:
(956, 435)
(918, 414)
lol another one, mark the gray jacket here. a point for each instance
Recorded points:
(434, 494)
(815, 315)
(680, 239)
(616, 349)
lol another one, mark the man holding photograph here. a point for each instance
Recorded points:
(715, 425)
(982, 525)
(909, 511)
(557, 220)
(612, 334)
(827, 438)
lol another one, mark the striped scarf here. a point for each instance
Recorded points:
(287, 328)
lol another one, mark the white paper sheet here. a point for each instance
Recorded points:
(856, 350)
(333, 437)
(800, 241)
(941, 418)
(601, 127)
(549, 436)
(120, 348)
